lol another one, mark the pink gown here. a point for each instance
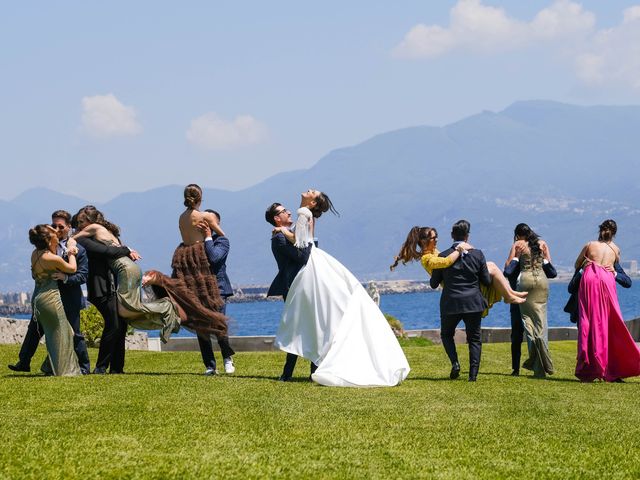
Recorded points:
(606, 349)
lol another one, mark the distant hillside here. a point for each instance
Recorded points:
(560, 168)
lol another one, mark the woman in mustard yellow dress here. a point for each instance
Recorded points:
(421, 244)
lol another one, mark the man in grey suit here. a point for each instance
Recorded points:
(462, 299)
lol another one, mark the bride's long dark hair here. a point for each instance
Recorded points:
(323, 204)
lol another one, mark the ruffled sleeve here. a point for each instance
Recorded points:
(303, 228)
(431, 262)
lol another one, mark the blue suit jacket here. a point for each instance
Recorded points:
(71, 291)
(290, 260)
(217, 250)
(574, 285)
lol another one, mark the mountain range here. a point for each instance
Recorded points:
(560, 168)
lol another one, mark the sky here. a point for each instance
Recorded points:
(101, 98)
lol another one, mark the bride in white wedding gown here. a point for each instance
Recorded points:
(330, 319)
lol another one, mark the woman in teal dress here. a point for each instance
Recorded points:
(46, 302)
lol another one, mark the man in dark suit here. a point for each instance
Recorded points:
(511, 272)
(461, 299)
(217, 248)
(101, 289)
(290, 260)
(72, 301)
(574, 286)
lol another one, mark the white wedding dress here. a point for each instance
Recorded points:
(330, 320)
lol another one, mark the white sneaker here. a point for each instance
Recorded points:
(228, 365)
(209, 372)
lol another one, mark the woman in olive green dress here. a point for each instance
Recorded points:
(532, 252)
(46, 302)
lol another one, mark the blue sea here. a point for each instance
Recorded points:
(415, 311)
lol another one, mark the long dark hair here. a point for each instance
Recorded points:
(92, 215)
(411, 249)
(531, 237)
(323, 204)
(608, 230)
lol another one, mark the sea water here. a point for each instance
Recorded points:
(416, 311)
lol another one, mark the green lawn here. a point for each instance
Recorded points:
(164, 419)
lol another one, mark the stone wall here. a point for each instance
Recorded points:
(12, 331)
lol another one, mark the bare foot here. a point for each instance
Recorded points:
(514, 299)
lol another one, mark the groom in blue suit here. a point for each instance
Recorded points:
(290, 260)
(217, 249)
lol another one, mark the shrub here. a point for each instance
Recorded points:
(395, 324)
(91, 325)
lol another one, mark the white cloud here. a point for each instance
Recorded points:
(600, 57)
(211, 132)
(613, 55)
(480, 28)
(106, 116)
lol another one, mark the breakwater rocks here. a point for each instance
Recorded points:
(258, 293)
(6, 310)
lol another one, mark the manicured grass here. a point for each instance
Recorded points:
(164, 419)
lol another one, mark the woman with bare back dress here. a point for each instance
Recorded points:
(192, 286)
(606, 349)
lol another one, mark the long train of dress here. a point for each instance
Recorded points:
(606, 349)
(329, 319)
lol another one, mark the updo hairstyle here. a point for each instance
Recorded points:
(608, 230)
(40, 236)
(192, 195)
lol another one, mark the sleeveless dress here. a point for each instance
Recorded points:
(432, 261)
(47, 308)
(330, 319)
(158, 314)
(534, 314)
(606, 349)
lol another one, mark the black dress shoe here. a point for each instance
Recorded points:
(473, 379)
(284, 378)
(19, 367)
(515, 373)
(619, 380)
(99, 371)
(455, 371)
